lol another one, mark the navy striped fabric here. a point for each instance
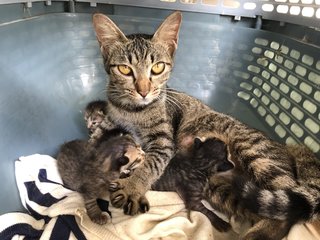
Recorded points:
(66, 224)
(40, 203)
(22, 229)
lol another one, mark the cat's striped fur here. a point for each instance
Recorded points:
(236, 195)
(161, 119)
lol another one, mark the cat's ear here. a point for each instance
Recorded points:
(168, 32)
(107, 32)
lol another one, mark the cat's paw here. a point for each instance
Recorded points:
(127, 194)
(100, 218)
(132, 207)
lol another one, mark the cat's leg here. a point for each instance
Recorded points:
(94, 212)
(129, 193)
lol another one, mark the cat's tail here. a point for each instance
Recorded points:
(297, 204)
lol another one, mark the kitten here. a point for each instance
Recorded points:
(139, 101)
(187, 174)
(89, 170)
(94, 114)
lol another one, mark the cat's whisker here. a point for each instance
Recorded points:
(173, 101)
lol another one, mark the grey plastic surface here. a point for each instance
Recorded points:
(50, 67)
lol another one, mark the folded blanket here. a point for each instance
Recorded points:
(57, 213)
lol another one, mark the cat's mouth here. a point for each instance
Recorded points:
(146, 99)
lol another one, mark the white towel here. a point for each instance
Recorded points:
(57, 213)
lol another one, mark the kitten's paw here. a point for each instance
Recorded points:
(128, 195)
(100, 218)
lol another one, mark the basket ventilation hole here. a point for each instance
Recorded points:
(284, 118)
(313, 127)
(290, 140)
(308, 12)
(315, 78)
(297, 113)
(295, 10)
(188, 1)
(210, 2)
(282, 9)
(314, 146)
(296, 130)
(249, 6)
(280, 131)
(309, 106)
(285, 103)
(231, 4)
(267, 7)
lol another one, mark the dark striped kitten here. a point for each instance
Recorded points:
(94, 114)
(187, 174)
(89, 170)
(138, 101)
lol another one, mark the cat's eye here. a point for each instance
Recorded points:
(125, 70)
(158, 68)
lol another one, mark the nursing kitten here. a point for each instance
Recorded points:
(187, 174)
(94, 114)
(89, 170)
(138, 101)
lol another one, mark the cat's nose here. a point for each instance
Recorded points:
(143, 93)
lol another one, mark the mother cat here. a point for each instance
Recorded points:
(164, 120)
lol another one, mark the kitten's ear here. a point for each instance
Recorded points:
(123, 160)
(107, 31)
(197, 143)
(168, 32)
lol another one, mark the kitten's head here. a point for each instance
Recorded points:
(138, 65)
(211, 154)
(94, 114)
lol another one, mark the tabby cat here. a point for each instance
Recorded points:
(89, 170)
(139, 101)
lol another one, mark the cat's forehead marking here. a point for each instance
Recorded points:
(139, 51)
